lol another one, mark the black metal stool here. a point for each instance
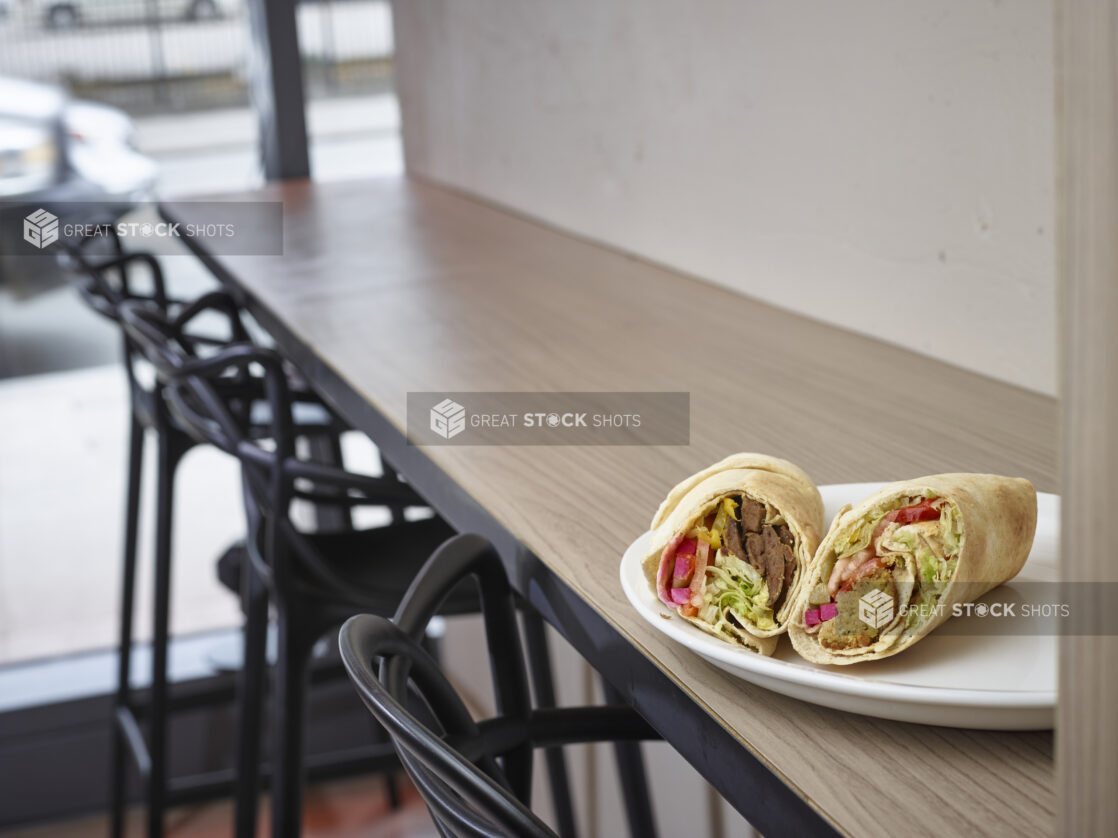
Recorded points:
(475, 777)
(315, 580)
(106, 282)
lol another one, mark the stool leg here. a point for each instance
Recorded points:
(392, 786)
(389, 473)
(127, 600)
(326, 448)
(539, 668)
(250, 689)
(634, 780)
(288, 706)
(157, 782)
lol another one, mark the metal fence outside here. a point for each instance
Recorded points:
(152, 56)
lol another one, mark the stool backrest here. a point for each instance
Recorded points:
(213, 398)
(106, 281)
(474, 777)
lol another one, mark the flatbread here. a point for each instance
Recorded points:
(783, 487)
(997, 518)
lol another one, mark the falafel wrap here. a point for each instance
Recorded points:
(891, 568)
(731, 545)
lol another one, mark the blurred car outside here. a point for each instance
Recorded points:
(64, 156)
(67, 14)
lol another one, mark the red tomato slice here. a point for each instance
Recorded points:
(923, 511)
(864, 569)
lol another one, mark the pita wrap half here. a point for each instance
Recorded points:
(731, 544)
(891, 568)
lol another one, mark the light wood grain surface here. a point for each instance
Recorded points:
(401, 286)
(1087, 124)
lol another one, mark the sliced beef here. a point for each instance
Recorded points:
(752, 515)
(789, 570)
(755, 550)
(771, 557)
(784, 533)
(731, 539)
(774, 563)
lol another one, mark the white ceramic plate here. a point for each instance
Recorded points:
(978, 680)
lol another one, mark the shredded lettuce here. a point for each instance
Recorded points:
(906, 536)
(933, 545)
(858, 536)
(916, 608)
(928, 564)
(737, 586)
(936, 571)
(935, 548)
(950, 531)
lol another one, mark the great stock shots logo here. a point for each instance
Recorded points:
(875, 609)
(40, 229)
(223, 228)
(448, 418)
(548, 418)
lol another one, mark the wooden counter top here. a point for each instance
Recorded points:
(393, 286)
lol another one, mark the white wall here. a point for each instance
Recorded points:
(884, 166)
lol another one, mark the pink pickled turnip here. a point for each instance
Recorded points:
(828, 611)
(811, 617)
(667, 562)
(681, 595)
(684, 567)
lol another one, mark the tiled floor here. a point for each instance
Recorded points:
(339, 809)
